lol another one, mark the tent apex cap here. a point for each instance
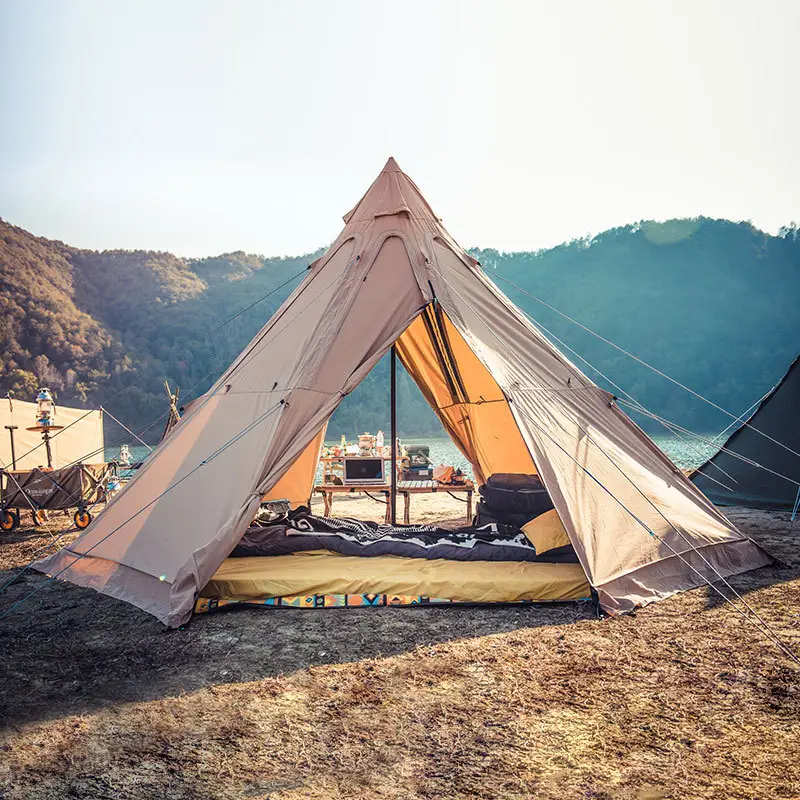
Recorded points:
(391, 166)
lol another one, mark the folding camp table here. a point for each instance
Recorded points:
(406, 488)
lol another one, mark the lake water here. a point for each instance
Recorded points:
(685, 454)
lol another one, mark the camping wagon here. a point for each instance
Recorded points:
(78, 486)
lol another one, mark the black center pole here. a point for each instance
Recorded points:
(393, 384)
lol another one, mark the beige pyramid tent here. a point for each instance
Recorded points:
(507, 397)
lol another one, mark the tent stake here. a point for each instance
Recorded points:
(393, 402)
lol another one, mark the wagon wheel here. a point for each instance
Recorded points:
(9, 520)
(39, 516)
(82, 518)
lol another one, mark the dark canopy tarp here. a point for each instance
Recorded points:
(777, 416)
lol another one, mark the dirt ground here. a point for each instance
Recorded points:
(681, 700)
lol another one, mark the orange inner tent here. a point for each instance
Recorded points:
(464, 395)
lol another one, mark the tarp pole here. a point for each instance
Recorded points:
(46, 437)
(393, 403)
(11, 429)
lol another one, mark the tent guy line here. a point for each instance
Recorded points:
(683, 434)
(644, 363)
(122, 425)
(256, 302)
(256, 348)
(775, 636)
(622, 391)
(756, 621)
(670, 426)
(278, 316)
(745, 414)
(738, 456)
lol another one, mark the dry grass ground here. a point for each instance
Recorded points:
(681, 700)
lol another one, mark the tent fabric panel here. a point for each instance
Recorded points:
(130, 530)
(623, 503)
(285, 386)
(355, 338)
(115, 580)
(480, 423)
(345, 338)
(778, 416)
(209, 424)
(275, 359)
(692, 569)
(385, 298)
(320, 573)
(187, 496)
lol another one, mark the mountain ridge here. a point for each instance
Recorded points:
(708, 301)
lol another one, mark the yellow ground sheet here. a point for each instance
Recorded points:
(325, 573)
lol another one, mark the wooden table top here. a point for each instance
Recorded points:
(402, 486)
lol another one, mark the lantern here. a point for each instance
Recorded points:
(45, 409)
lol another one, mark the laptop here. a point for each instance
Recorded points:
(364, 470)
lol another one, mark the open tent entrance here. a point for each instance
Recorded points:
(466, 399)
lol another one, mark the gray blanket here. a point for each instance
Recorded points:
(302, 531)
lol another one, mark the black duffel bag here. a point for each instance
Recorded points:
(515, 493)
(486, 515)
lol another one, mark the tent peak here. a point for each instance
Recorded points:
(391, 166)
(390, 194)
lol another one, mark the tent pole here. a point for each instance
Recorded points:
(393, 403)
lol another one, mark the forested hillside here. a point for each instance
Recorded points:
(710, 302)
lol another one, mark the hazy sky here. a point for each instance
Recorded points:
(204, 127)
